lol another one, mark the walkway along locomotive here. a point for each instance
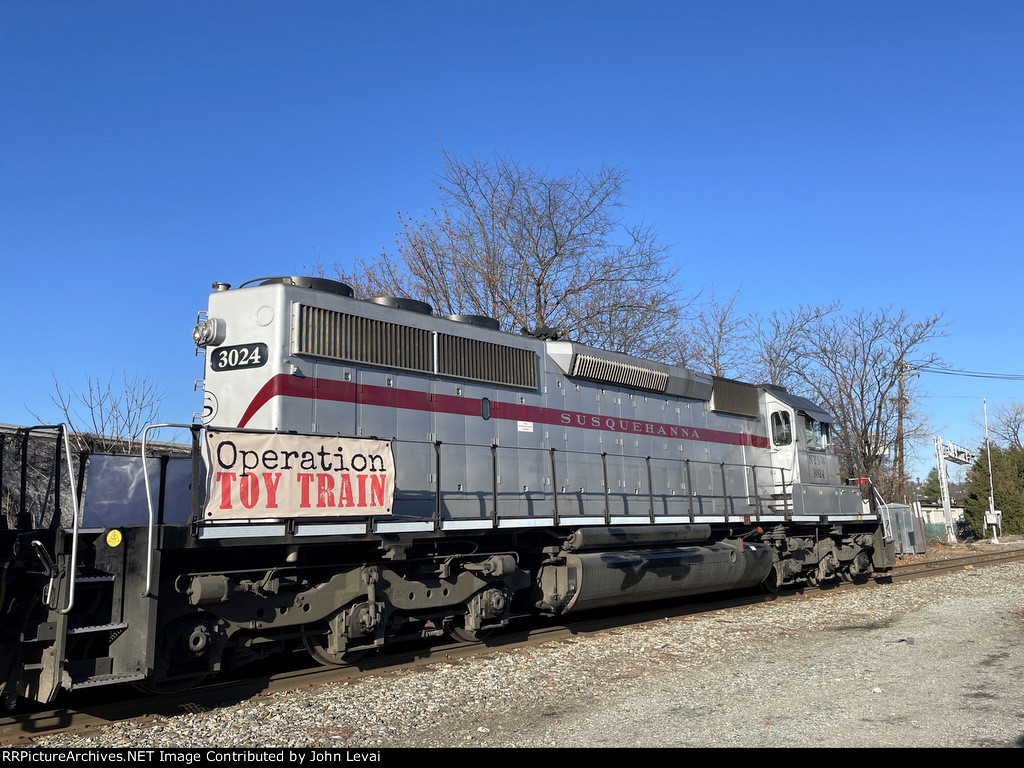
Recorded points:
(367, 471)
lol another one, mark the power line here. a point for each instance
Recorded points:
(976, 374)
(948, 397)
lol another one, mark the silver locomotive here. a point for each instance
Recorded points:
(366, 471)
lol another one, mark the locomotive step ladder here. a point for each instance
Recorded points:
(92, 634)
(99, 646)
(101, 627)
(85, 623)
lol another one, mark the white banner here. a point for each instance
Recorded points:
(272, 475)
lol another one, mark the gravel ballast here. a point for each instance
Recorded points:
(935, 662)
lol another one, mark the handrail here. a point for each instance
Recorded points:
(883, 504)
(546, 449)
(74, 524)
(750, 489)
(151, 534)
(62, 437)
(645, 462)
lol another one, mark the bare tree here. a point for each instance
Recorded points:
(861, 367)
(106, 416)
(535, 251)
(717, 337)
(776, 342)
(1006, 422)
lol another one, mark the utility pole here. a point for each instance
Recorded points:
(902, 371)
(901, 367)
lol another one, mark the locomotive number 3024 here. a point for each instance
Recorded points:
(240, 356)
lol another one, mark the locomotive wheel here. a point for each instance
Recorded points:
(462, 635)
(317, 647)
(770, 585)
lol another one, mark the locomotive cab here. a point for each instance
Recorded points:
(800, 441)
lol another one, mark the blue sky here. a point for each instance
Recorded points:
(866, 151)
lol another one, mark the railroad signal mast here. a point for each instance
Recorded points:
(958, 455)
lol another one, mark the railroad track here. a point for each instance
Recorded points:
(934, 567)
(105, 706)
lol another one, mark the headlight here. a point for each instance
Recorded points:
(209, 332)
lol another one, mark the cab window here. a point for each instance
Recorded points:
(782, 431)
(815, 433)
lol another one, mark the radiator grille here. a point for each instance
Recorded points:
(327, 333)
(481, 360)
(730, 396)
(340, 336)
(614, 372)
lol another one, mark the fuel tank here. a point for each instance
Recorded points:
(577, 581)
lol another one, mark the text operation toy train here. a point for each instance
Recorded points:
(367, 471)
